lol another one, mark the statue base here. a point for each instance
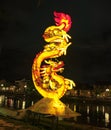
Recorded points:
(53, 107)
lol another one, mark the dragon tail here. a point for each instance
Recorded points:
(63, 20)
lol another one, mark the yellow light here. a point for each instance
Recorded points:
(45, 72)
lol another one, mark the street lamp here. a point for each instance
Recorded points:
(25, 87)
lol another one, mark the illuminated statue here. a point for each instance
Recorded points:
(46, 71)
(45, 66)
(51, 85)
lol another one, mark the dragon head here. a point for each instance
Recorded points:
(55, 66)
(58, 33)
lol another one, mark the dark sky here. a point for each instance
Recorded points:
(22, 23)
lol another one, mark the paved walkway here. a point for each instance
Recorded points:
(7, 123)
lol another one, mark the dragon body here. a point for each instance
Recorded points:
(46, 66)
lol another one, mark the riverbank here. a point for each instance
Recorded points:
(7, 122)
(94, 100)
(90, 109)
(79, 99)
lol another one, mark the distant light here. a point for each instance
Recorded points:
(107, 90)
(2, 85)
(3, 88)
(25, 86)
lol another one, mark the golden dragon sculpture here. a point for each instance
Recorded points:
(46, 66)
(46, 71)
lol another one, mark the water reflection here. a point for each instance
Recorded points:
(97, 109)
(23, 104)
(74, 107)
(106, 119)
(87, 109)
(97, 115)
(15, 103)
(103, 109)
(2, 99)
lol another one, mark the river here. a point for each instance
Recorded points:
(92, 114)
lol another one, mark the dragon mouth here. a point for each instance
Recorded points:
(60, 65)
(46, 35)
(49, 38)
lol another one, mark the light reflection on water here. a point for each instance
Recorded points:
(23, 104)
(97, 115)
(14, 103)
(107, 119)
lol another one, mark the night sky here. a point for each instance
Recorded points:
(22, 23)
